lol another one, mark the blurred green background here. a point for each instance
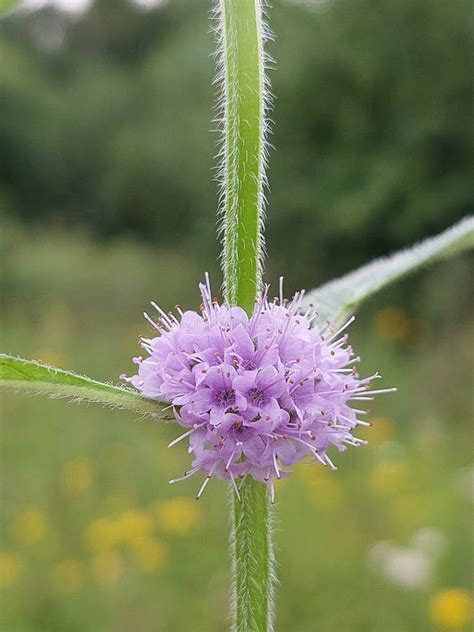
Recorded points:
(107, 201)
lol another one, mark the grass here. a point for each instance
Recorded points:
(93, 537)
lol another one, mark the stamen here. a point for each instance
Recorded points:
(183, 436)
(318, 374)
(162, 313)
(229, 461)
(234, 485)
(330, 463)
(312, 448)
(341, 329)
(383, 390)
(359, 422)
(186, 475)
(275, 465)
(151, 321)
(206, 481)
(203, 486)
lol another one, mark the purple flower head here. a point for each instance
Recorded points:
(256, 393)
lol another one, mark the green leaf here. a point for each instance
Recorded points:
(335, 300)
(34, 378)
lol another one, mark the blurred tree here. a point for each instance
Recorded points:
(372, 114)
(105, 119)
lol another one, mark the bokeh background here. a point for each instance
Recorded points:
(107, 201)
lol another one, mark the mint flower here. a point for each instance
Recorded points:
(257, 384)
(256, 393)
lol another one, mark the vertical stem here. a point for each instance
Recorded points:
(252, 559)
(242, 176)
(244, 102)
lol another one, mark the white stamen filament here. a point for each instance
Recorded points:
(164, 316)
(275, 465)
(330, 463)
(180, 438)
(151, 321)
(183, 478)
(341, 329)
(234, 485)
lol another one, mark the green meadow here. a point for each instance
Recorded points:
(94, 537)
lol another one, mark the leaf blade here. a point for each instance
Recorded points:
(34, 378)
(338, 298)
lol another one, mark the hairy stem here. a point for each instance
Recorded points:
(242, 174)
(252, 559)
(244, 102)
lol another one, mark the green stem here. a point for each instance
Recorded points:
(252, 558)
(242, 180)
(242, 176)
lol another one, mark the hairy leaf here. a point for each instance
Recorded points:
(335, 300)
(31, 377)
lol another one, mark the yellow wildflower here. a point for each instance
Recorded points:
(381, 432)
(10, 569)
(68, 576)
(107, 568)
(76, 476)
(133, 525)
(30, 527)
(389, 477)
(102, 534)
(149, 554)
(451, 608)
(106, 533)
(178, 515)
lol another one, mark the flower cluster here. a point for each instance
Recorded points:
(256, 393)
